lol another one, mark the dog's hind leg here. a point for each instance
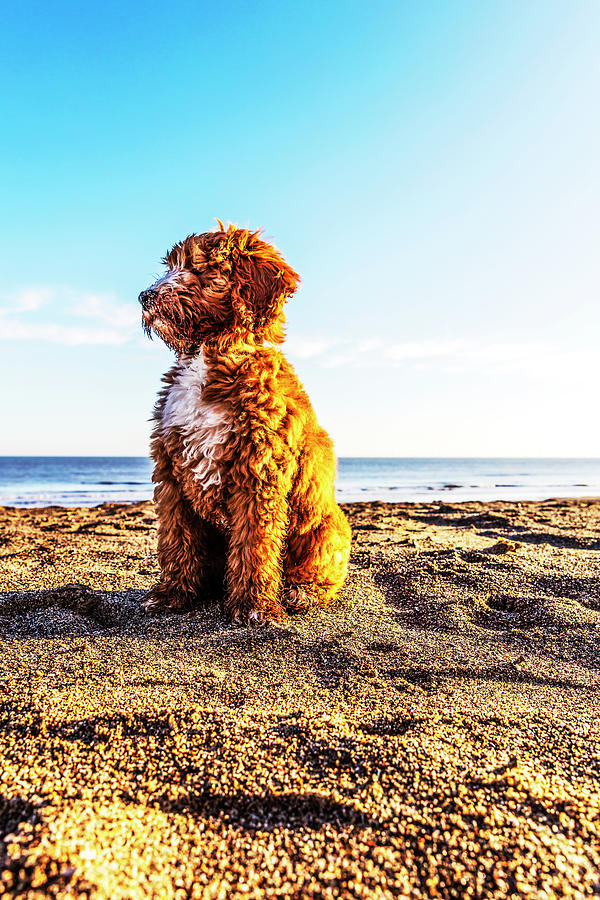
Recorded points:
(258, 513)
(317, 562)
(318, 542)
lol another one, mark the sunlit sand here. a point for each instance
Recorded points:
(434, 734)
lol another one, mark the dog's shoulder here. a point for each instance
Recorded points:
(246, 370)
(267, 371)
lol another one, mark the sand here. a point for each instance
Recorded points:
(434, 734)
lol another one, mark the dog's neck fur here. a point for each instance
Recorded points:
(226, 350)
(221, 346)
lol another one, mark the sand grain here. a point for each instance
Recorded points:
(434, 735)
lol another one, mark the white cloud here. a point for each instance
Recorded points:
(105, 308)
(445, 356)
(70, 335)
(367, 351)
(27, 299)
(338, 360)
(364, 346)
(306, 347)
(422, 350)
(64, 317)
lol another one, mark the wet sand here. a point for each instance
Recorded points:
(434, 734)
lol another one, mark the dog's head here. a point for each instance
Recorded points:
(219, 284)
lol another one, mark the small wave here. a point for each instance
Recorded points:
(122, 482)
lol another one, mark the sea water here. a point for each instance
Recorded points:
(87, 480)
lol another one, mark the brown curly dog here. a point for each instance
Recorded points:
(244, 474)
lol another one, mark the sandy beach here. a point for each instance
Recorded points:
(434, 734)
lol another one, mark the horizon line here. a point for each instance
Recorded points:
(143, 456)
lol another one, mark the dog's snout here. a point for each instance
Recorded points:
(146, 298)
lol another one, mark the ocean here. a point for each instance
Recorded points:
(86, 481)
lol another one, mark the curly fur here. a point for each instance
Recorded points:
(244, 474)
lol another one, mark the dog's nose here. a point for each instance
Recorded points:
(146, 298)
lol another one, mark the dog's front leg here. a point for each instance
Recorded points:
(258, 515)
(181, 551)
(190, 551)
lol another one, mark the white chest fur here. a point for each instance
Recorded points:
(204, 427)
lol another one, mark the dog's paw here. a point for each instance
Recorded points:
(258, 618)
(161, 597)
(297, 598)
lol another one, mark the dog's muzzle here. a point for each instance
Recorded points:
(147, 298)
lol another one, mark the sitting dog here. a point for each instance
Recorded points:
(244, 474)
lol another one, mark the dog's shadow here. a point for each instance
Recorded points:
(308, 644)
(75, 609)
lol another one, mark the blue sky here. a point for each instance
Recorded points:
(430, 169)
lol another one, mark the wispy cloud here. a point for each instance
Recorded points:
(70, 335)
(106, 308)
(419, 350)
(368, 344)
(43, 313)
(445, 356)
(26, 300)
(306, 347)
(63, 316)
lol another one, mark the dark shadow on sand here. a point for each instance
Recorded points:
(495, 525)
(13, 811)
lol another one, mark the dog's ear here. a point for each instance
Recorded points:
(262, 282)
